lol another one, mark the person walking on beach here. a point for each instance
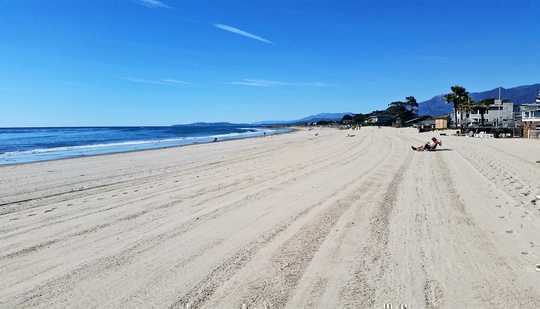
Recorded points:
(429, 146)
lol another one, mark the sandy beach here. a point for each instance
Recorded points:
(294, 220)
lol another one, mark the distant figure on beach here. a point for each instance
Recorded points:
(429, 146)
(215, 139)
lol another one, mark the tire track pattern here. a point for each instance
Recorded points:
(360, 291)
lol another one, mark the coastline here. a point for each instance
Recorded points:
(284, 130)
(293, 220)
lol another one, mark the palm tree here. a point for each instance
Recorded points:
(467, 107)
(483, 107)
(450, 98)
(459, 97)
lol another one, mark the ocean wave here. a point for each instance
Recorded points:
(41, 154)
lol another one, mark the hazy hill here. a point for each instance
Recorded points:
(211, 124)
(312, 118)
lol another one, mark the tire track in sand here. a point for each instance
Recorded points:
(289, 263)
(62, 284)
(360, 290)
(36, 247)
(498, 288)
(317, 232)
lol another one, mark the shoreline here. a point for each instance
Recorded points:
(294, 220)
(289, 130)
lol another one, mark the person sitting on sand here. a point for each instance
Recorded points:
(429, 146)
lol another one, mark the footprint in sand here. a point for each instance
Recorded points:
(509, 231)
(31, 215)
(49, 210)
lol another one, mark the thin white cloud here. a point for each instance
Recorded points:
(242, 33)
(175, 81)
(275, 83)
(153, 4)
(165, 82)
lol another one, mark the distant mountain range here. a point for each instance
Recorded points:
(212, 124)
(435, 106)
(518, 95)
(312, 118)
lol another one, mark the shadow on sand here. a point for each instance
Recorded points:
(443, 149)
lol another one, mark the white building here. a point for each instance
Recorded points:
(500, 114)
(530, 117)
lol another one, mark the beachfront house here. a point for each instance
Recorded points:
(422, 123)
(428, 123)
(380, 119)
(372, 120)
(501, 114)
(441, 123)
(530, 118)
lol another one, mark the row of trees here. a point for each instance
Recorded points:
(397, 110)
(462, 102)
(403, 111)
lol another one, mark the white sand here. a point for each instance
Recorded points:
(292, 221)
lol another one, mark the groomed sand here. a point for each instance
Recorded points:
(296, 220)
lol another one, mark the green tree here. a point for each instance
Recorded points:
(466, 108)
(400, 110)
(459, 98)
(359, 118)
(483, 107)
(412, 104)
(346, 119)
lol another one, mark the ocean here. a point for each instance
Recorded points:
(23, 145)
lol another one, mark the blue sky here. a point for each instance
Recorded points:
(150, 62)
